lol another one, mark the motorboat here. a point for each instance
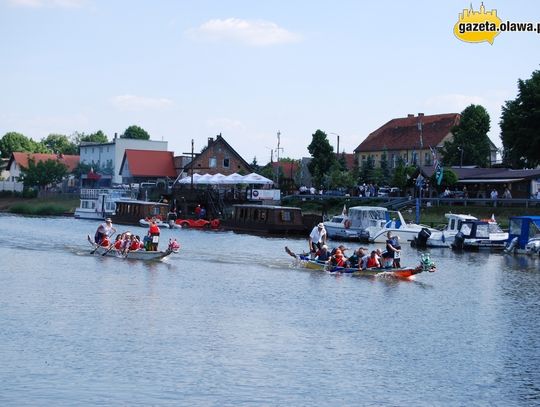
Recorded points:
(480, 234)
(524, 236)
(98, 204)
(354, 223)
(397, 226)
(442, 238)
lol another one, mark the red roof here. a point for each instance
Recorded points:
(70, 161)
(349, 160)
(289, 168)
(404, 133)
(148, 163)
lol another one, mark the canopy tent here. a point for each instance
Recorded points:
(220, 179)
(254, 178)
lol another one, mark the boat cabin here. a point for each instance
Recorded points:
(455, 220)
(265, 219)
(479, 229)
(129, 212)
(525, 229)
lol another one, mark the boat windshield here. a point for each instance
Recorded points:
(371, 214)
(494, 228)
(337, 219)
(534, 230)
(515, 226)
(466, 229)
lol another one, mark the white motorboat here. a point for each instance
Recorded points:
(354, 223)
(480, 234)
(98, 204)
(398, 227)
(445, 237)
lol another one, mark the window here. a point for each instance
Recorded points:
(226, 163)
(286, 216)
(515, 227)
(427, 159)
(212, 162)
(482, 231)
(414, 157)
(452, 224)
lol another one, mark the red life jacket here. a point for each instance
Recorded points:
(118, 244)
(154, 230)
(134, 245)
(105, 242)
(372, 262)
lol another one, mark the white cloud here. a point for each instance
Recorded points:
(254, 33)
(47, 3)
(133, 102)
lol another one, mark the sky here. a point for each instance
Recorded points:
(186, 70)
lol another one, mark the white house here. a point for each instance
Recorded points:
(108, 156)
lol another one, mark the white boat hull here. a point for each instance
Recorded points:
(405, 234)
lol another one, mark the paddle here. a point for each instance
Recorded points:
(109, 249)
(91, 242)
(287, 250)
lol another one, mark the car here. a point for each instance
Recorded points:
(198, 223)
(383, 192)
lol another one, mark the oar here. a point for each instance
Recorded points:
(287, 250)
(93, 243)
(108, 250)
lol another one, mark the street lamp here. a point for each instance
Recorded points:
(460, 148)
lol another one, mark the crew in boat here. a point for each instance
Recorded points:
(322, 254)
(104, 230)
(337, 260)
(373, 260)
(317, 238)
(391, 250)
(154, 232)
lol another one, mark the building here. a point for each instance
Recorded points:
(480, 181)
(408, 138)
(105, 158)
(19, 160)
(218, 157)
(147, 166)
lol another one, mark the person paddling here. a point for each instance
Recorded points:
(154, 232)
(104, 231)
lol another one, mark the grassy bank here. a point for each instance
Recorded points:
(51, 206)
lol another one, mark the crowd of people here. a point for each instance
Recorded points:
(127, 242)
(361, 258)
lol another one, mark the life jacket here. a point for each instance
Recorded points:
(105, 242)
(118, 244)
(154, 229)
(338, 261)
(134, 245)
(372, 262)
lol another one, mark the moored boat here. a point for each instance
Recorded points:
(397, 226)
(443, 238)
(98, 204)
(524, 235)
(354, 223)
(483, 234)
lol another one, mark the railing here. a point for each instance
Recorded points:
(11, 186)
(500, 202)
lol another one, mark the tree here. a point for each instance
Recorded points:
(471, 145)
(14, 142)
(449, 178)
(136, 132)
(323, 156)
(403, 174)
(97, 137)
(43, 173)
(520, 121)
(59, 144)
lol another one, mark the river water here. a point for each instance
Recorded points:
(230, 322)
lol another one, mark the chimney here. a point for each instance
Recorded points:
(210, 140)
(420, 114)
(410, 115)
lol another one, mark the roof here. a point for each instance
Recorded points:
(349, 160)
(149, 163)
(289, 168)
(404, 134)
(219, 139)
(493, 175)
(21, 158)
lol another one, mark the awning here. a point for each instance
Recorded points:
(490, 181)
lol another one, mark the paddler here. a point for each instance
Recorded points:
(154, 232)
(104, 231)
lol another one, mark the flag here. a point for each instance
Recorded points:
(419, 180)
(344, 211)
(438, 167)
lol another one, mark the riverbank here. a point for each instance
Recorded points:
(50, 206)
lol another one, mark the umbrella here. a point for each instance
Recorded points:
(254, 178)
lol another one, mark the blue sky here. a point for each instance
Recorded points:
(246, 69)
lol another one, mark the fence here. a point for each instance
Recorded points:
(11, 186)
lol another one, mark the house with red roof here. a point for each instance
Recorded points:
(147, 166)
(408, 138)
(218, 157)
(19, 160)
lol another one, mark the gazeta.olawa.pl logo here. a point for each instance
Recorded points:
(484, 26)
